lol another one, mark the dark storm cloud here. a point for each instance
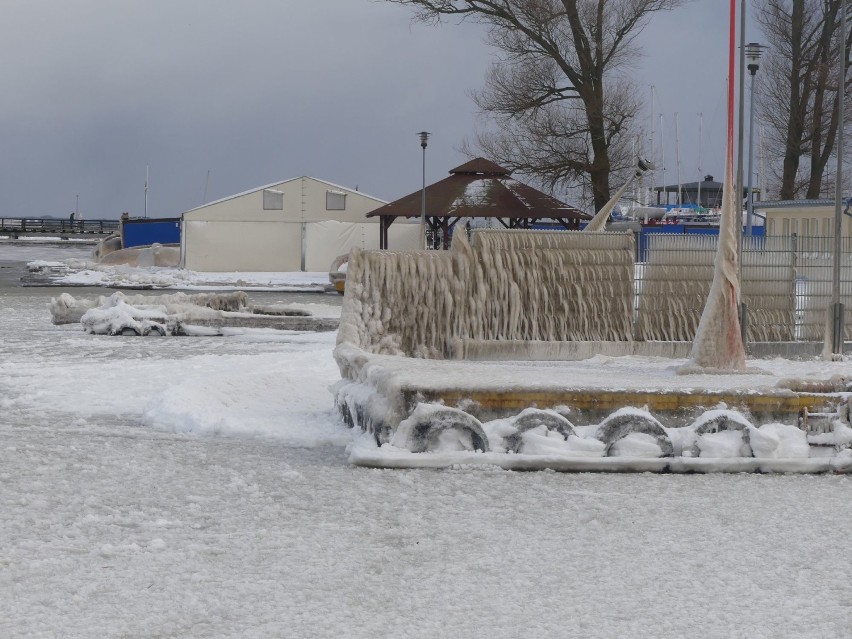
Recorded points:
(254, 92)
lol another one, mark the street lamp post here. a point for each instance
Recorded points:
(838, 332)
(424, 136)
(752, 52)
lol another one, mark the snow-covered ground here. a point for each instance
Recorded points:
(199, 487)
(78, 269)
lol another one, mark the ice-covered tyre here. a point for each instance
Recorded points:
(718, 423)
(154, 331)
(533, 418)
(429, 423)
(620, 424)
(127, 331)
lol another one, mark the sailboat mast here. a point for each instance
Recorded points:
(146, 191)
(206, 182)
(761, 166)
(653, 140)
(663, 157)
(700, 172)
(677, 159)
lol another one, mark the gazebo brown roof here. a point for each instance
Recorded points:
(479, 188)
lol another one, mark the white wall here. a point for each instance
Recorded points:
(247, 246)
(804, 221)
(225, 246)
(328, 240)
(237, 234)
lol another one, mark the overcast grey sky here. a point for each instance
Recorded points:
(258, 91)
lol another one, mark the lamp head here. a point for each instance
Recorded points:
(752, 52)
(424, 135)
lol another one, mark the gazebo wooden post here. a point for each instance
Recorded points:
(383, 231)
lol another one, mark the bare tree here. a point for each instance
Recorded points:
(798, 91)
(562, 112)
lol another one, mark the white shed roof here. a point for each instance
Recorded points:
(275, 184)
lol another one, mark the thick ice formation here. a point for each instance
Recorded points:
(518, 285)
(720, 440)
(106, 246)
(144, 256)
(676, 279)
(718, 343)
(598, 222)
(115, 317)
(66, 309)
(176, 314)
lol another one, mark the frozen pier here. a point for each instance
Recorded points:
(383, 394)
(591, 388)
(517, 350)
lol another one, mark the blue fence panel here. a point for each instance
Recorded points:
(145, 232)
(756, 231)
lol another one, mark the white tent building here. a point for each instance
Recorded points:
(299, 224)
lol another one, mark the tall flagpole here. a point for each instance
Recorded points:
(718, 343)
(740, 130)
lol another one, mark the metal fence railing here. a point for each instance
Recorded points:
(30, 225)
(786, 285)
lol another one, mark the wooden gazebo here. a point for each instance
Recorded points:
(478, 189)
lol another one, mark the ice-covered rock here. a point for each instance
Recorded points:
(67, 309)
(117, 317)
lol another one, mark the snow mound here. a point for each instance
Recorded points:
(779, 441)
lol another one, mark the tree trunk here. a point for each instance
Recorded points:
(795, 128)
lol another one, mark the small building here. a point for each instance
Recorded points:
(301, 224)
(804, 218)
(477, 189)
(707, 193)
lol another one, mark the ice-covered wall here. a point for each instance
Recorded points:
(505, 285)
(675, 283)
(814, 288)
